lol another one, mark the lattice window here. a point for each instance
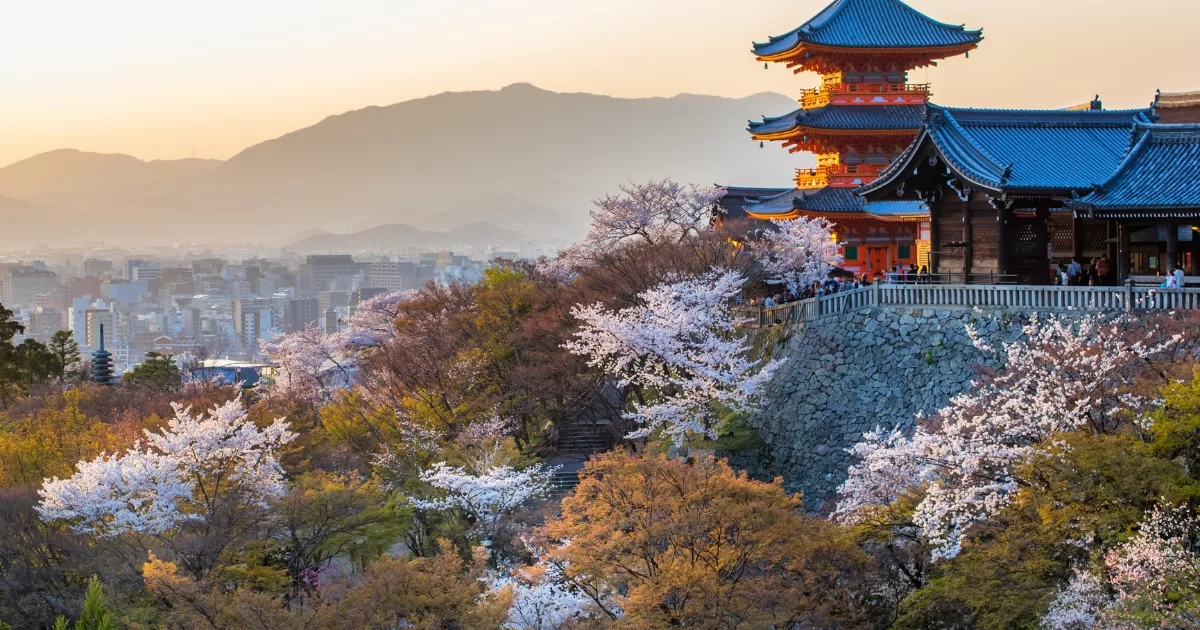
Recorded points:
(1094, 237)
(1024, 240)
(1062, 239)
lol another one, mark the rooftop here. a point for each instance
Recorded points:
(843, 118)
(1052, 151)
(1161, 172)
(1173, 100)
(869, 24)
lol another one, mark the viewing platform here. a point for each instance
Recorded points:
(1008, 297)
(837, 175)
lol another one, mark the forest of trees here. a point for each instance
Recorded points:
(394, 475)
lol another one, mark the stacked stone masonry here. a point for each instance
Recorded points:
(846, 375)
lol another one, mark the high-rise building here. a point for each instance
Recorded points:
(324, 272)
(250, 318)
(393, 276)
(331, 322)
(333, 300)
(95, 318)
(301, 313)
(23, 284)
(97, 268)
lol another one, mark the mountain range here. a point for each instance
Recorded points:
(524, 160)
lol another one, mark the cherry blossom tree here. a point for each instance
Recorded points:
(800, 252)
(542, 599)
(1157, 570)
(487, 496)
(676, 349)
(199, 470)
(657, 212)
(1065, 374)
(1153, 580)
(1079, 604)
(313, 364)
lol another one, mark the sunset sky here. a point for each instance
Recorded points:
(166, 79)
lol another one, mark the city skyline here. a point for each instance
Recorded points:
(157, 83)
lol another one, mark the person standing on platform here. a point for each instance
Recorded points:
(1074, 272)
(1101, 265)
(1179, 277)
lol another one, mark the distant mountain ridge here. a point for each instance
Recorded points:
(522, 158)
(383, 237)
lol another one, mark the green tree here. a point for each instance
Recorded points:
(10, 358)
(95, 615)
(65, 351)
(158, 372)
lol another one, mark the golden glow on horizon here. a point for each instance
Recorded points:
(164, 80)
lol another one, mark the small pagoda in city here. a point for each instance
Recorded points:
(862, 116)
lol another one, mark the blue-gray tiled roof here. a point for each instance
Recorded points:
(1161, 171)
(1054, 151)
(894, 209)
(870, 24)
(844, 117)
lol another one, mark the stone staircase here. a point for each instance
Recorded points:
(577, 440)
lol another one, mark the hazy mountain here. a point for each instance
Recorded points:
(384, 237)
(77, 178)
(521, 158)
(23, 224)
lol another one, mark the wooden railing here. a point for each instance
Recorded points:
(957, 296)
(845, 92)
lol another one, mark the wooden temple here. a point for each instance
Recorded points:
(857, 122)
(1013, 194)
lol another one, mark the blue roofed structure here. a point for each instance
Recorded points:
(1159, 178)
(874, 24)
(1048, 151)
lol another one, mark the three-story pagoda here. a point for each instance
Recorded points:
(863, 115)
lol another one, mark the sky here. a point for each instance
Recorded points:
(167, 80)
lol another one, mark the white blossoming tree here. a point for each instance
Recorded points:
(487, 496)
(800, 252)
(1153, 580)
(313, 364)
(1064, 375)
(657, 212)
(542, 600)
(199, 472)
(676, 349)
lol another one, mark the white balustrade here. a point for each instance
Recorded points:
(1003, 297)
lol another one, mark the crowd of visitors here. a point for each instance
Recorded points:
(1074, 274)
(897, 275)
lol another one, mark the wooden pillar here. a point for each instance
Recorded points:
(935, 238)
(1041, 231)
(1076, 238)
(969, 250)
(1123, 246)
(1001, 241)
(1172, 246)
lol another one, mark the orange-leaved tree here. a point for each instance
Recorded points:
(669, 542)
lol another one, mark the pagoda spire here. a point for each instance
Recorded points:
(102, 364)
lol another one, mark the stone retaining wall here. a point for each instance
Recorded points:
(849, 374)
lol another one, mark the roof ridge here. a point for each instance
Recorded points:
(1001, 170)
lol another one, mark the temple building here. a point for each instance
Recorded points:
(1015, 193)
(1152, 201)
(862, 116)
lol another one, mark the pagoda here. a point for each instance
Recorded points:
(102, 364)
(861, 117)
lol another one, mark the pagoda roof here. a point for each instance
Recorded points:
(1047, 151)
(1159, 177)
(736, 198)
(843, 118)
(869, 24)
